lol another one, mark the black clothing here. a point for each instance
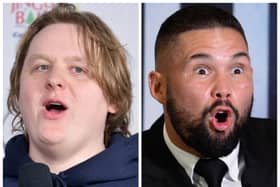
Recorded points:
(257, 144)
(116, 166)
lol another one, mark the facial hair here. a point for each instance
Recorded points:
(195, 132)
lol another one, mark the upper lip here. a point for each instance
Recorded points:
(226, 109)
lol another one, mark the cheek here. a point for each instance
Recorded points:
(29, 93)
(91, 109)
(25, 93)
(91, 100)
(26, 104)
(193, 95)
(243, 95)
(244, 89)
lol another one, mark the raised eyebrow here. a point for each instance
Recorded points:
(200, 56)
(47, 58)
(34, 57)
(79, 59)
(207, 56)
(73, 59)
(241, 54)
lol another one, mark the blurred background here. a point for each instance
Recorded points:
(259, 21)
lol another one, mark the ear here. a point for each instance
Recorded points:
(157, 86)
(112, 108)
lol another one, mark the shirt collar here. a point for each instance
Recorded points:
(231, 161)
(188, 160)
(185, 159)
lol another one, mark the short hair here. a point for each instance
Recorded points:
(106, 57)
(193, 18)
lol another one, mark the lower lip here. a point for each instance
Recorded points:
(53, 114)
(221, 126)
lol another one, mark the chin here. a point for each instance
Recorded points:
(51, 136)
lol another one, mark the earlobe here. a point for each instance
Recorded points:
(157, 86)
(112, 108)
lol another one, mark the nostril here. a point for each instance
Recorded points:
(218, 95)
(221, 95)
(49, 85)
(54, 84)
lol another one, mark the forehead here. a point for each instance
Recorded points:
(215, 42)
(220, 40)
(59, 38)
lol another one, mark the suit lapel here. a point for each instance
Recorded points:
(256, 173)
(257, 149)
(257, 145)
(169, 171)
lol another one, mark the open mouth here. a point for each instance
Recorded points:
(221, 116)
(221, 119)
(55, 106)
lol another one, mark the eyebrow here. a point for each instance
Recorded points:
(241, 54)
(34, 57)
(73, 59)
(205, 56)
(200, 56)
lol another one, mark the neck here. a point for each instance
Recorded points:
(60, 158)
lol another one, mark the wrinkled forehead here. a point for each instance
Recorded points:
(218, 41)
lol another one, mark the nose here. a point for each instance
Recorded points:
(222, 88)
(222, 94)
(54, 85)
(55, 81)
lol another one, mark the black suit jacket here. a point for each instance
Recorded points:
(257, 144)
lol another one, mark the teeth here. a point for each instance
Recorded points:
(54, 103)
(55, 106)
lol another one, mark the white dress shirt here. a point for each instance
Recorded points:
(187, 160)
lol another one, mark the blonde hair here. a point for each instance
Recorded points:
(106, 57)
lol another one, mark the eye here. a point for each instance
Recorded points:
(77, 70)
(202, 71)
(42, 67)
(237, 70)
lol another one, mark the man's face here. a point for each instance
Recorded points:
(61, 105)
(209, 89)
